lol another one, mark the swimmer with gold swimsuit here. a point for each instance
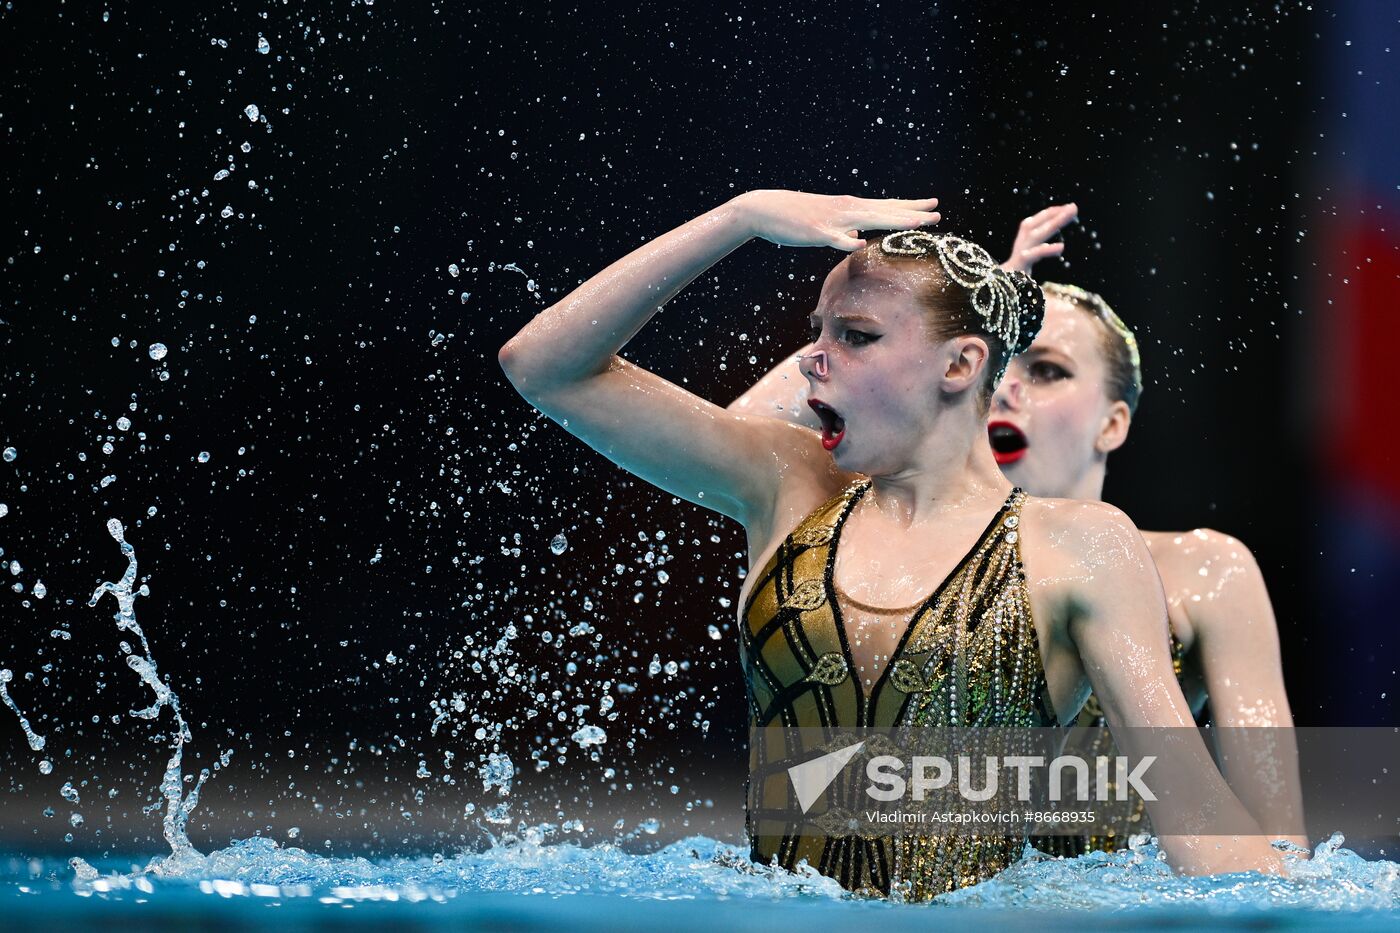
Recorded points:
(1064, 405)
(1022, 605)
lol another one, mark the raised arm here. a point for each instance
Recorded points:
(565, 362)
(782, 392)
(1116, 619)
(1237, 641)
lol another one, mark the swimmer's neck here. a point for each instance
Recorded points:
(953, 470)
(1088, 486)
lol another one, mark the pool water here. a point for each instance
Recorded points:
(692, 884)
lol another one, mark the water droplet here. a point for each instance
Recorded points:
(10, 454)
(263, 48)
(559, 544)
(251, 112)
(123, 423)
(498, 772)
(157, 351)
(4, 510)
(453, 270)
(46, 767)
(203, 456)
(40, 591)
(589, 735)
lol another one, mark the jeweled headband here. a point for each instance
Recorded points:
(994, 294)
(1096, 304)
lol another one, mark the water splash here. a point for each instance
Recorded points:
(36, 741)
(530, 862)
(1333, 878)
(707, 878)
(178, 804)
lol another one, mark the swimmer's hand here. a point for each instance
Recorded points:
(1031, 244)
(796, 218)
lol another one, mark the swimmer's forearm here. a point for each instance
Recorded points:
(1149, 718)
(1259, 749)
(1237, 639)
(579, 336)
(1261, 766)
(1194, 801)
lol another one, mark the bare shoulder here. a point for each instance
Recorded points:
(1089, 534)
(1201, 552)
(1213, 576)
(810, 477)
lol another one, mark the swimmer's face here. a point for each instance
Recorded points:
(1052, 422)
(873, 374)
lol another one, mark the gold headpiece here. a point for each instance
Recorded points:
(994, 295)
(1095, 303)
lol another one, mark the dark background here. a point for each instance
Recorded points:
(343, 379)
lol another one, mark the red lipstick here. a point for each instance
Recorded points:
(833, 425)
(1009, 443)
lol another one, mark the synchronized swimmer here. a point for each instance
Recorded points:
(897, 502)
(1063, 407)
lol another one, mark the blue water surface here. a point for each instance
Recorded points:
(697, 883)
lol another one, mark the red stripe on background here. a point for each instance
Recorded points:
(1362, 422)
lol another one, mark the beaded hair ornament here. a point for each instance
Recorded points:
(994, 294)
(1095, 304)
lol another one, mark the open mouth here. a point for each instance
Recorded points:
(1009, 444)
(833, 425)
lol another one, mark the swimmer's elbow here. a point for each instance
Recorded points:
(509, 358)
(528, 377)
(540, 375)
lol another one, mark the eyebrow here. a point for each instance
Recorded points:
(861, 318)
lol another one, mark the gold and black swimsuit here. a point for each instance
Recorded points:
(969, 656)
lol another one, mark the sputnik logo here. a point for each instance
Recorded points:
(811, 778)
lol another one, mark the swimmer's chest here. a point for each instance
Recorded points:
(796, 634)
